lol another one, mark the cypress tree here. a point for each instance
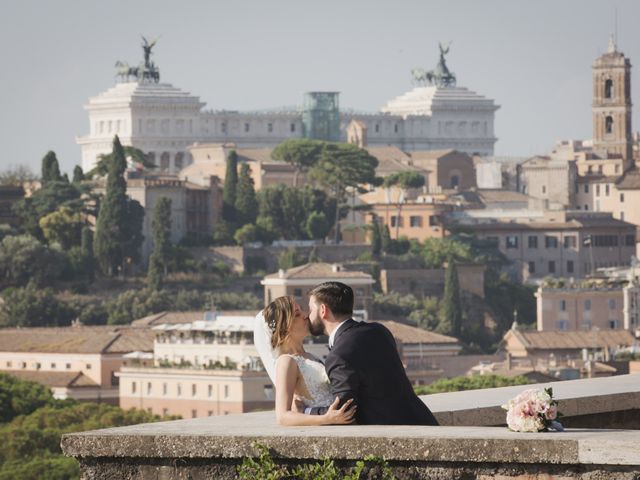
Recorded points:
(230, 187)
(386, 239)
(78, 174)
(50, 168)
(451, 309)
(376, 237)
(111, 226)
(161, 228)
(246, 203)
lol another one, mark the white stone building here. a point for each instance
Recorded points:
(163, 121)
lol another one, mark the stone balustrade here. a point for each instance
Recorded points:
(213, 447)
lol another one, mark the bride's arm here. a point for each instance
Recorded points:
(286, 377)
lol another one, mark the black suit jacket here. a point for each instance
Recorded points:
(364, 365)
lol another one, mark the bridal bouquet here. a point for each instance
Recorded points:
(534, 410)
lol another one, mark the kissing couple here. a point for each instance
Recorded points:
(362, 381)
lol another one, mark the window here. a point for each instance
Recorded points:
(622, 198)
(164, 389)
(613, 324)
(179, 160)
(608, 88)
(210, 391)
(53, 366)
(396, 221)
(532, 267)
(9, 364)
(223, 127)
(148, 388)
(586, 188)
(377, 128)
(597, 190)
(563, 305)
(612, 304)
(38, 366)
(550, 242)
(570, 241)
(608, 124)
(395, 128)
(415, 221)
(210, 413)
(562, 325)
(133, 387)
(88, 366)
(532, 241)
(194, 390)
(586, 207)
(165, 411)
(246, 127)
(621, 215)
(569, 266)
(194, 413)
(297, 292)
(512, 241)
(605, 240)
(552, 267)
(629, 240)
(270, 127)
(544, 189)
(23, 364)
(68, 366)
(587, 305)
(292, 127)
(606, 190)
(179, 389)
(226, 391)
(433, 220)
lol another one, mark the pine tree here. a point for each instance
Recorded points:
(161, 228)
(376, 237)
(78, 174)
(50, 168)
(451, 309)
(246, 203)
(386, 242)
(111, 226)
(230, 188)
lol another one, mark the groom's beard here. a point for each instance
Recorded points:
(316, 327)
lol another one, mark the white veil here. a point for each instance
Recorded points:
(262, 340)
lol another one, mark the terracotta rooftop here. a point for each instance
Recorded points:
(318, 270)
(54, 379)
(409, 334)
(185, 317)
(100, 339)
(554, 340)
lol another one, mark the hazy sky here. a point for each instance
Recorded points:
(533, 57)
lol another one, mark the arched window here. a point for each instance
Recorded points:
(455, 181)
(151, 156)
(179, 161)
(608, 124)
(164, 162)
(608, 88)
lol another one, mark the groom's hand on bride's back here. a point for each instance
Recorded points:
(341, 415)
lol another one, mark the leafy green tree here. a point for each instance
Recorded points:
(475, 382)
(451, 308)
(161, 228)
(317, 225)
(223, 232)
(18, 397)
(437, 250)
(230, 189)
(426, 316)
(24, 259)
(247, 234)
(33, 307)
(136, 155)
(63, 226)
(246, 203)
(341, 167)
(111, 227)
(302, 154)
(78, 174)
(50, 168)
(404, 181)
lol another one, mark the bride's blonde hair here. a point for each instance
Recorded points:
(279, 316)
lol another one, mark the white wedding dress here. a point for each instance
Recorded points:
(315, 380)
(311, 369)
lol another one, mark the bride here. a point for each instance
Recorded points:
(278, 335)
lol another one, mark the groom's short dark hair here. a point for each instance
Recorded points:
(335, 295)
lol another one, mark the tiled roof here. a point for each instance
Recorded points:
(185, 317)
(630, 180)
(102, 339)
(318, 270)
(578, 340)
(409, 334)
(430, 154)
(54, 379)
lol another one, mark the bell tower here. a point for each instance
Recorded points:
(612, 104)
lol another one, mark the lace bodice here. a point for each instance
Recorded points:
(316, 381)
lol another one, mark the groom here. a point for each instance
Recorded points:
(363, 363)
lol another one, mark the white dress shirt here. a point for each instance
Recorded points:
(333, 334)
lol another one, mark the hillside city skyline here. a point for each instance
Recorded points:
(537, 83)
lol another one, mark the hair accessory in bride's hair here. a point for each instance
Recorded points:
(272, 325)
